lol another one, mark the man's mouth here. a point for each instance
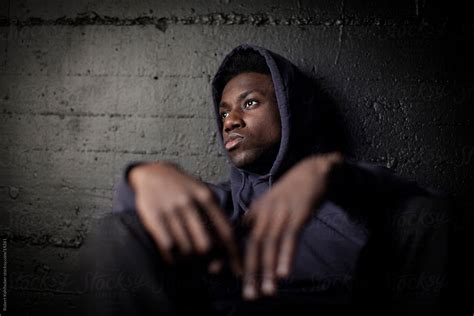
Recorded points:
(233, 141)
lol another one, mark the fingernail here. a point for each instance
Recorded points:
(215, 267)
(187, 250)
(268, 287)
(203, 247)
(249, 292)
(281, 270)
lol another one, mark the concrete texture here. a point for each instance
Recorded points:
(86, 86)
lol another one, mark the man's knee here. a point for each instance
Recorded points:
(420, 239)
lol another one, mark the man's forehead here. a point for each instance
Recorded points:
(249, 79)
(246, 83)
(243, 95)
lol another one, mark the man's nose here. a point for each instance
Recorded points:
(232, 121)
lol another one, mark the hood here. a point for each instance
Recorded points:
(301, 133)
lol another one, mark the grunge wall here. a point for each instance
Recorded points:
(86, 86)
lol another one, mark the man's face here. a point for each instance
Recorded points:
(251, 121)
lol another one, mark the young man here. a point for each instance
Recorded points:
(295, 223)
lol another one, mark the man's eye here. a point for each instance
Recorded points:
(224, 115)
(249, 103)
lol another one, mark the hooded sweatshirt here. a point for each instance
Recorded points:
(332, 243)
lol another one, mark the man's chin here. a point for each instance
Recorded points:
(251, 163)
(241, 159)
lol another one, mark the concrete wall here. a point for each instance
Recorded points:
(86, 86)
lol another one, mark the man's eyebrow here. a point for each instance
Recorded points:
(242, 96)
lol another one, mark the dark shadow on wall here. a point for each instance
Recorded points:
(333, 129)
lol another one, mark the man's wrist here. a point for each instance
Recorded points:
(136, 172)
(338, 172)
(327, 164)
(133, 174)
(335, 161)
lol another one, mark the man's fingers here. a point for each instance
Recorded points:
(196, 228)
(268, 286)
(250, 274)
(223, 229)
(252, 257)
(215, 266)
(287, 249)
(177, 231)
(250, 216)
(159, 233)
(270, 250)
(225, 232)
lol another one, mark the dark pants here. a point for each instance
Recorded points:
(403, 269)
(125, 275)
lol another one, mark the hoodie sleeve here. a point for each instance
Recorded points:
(124, 197)
(364, 186)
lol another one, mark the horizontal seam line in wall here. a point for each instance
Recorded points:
(110, 115)
(216, 18)
(179, 76)
(133, 152)
(151, 76)
(36, 190)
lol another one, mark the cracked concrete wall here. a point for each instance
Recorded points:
(87, 86)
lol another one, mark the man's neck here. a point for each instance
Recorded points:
(265, 162)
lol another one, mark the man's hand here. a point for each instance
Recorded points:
(173, 208)
(276, 219)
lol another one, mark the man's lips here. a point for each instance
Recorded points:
(233, 140)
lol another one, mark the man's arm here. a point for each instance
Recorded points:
(175, 208)
(366, 187)
(124, 196)
(277, 217)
